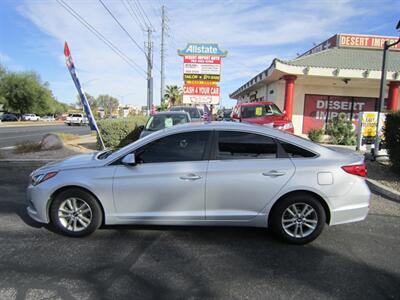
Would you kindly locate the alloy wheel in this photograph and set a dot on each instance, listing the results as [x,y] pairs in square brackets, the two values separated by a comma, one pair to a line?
[299,220]
[75,214]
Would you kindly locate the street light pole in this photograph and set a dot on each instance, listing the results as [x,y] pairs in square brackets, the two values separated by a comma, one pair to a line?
[382,92]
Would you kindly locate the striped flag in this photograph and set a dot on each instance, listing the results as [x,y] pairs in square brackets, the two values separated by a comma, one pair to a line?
[85,103]
[207,114]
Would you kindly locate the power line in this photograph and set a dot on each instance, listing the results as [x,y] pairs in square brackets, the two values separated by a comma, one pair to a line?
[144,13]
[101,37]
[133,14]
[122,27]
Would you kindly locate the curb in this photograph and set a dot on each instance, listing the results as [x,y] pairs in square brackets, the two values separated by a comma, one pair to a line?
[383,190]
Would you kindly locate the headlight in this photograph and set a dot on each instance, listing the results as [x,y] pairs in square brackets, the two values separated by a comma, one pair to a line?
[36,179]
[288,125]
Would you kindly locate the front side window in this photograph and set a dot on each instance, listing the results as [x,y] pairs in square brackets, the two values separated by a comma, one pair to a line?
[188,146]
[244,145]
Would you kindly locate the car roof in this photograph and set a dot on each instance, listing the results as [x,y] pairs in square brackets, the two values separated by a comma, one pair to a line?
[171,113]
[256,103]
[183,107]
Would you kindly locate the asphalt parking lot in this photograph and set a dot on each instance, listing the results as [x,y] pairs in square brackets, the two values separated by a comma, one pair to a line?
[353,261]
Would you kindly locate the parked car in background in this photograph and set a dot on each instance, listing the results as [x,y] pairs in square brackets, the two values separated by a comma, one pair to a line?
[8,117]
[76,119]
[164,120]
[213,174]
[48,119]
[30,117]
[193,112]
[224,115]
[262,113]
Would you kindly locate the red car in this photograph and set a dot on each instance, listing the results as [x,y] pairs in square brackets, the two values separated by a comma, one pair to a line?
[262,113]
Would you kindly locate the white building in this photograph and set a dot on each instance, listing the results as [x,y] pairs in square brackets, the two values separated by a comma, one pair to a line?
[341,74]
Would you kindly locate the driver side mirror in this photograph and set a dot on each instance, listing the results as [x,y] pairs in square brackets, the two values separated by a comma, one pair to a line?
[129,160]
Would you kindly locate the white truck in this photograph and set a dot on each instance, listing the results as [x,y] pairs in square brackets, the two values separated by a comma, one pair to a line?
[30,117]
[76,119]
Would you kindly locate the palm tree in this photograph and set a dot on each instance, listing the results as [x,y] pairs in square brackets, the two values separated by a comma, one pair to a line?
[173,94]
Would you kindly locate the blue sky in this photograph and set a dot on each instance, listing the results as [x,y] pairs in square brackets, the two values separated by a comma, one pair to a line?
[32,34]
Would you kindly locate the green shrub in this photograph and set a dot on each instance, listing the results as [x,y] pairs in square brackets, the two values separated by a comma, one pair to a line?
[316,135]
[117,133]
[391,133]
[341,131]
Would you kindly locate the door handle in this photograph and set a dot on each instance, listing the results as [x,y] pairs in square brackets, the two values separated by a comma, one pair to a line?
[190,177]
[274,173]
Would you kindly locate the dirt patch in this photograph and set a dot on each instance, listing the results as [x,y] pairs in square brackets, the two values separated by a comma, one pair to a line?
[49,154]
[381,172]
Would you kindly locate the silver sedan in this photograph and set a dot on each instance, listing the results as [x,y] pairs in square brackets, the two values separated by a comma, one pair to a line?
[229,174]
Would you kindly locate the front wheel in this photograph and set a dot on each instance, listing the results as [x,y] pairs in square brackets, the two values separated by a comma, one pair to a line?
[75,213]
[298,219]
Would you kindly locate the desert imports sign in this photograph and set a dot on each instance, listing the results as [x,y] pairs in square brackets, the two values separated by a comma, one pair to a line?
[364,41]
[318,109]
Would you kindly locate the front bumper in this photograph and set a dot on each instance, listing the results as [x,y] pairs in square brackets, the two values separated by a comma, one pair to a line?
[38,200]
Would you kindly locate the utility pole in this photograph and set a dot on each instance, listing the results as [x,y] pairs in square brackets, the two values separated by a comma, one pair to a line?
[162,87]
[149,57]
[382,88]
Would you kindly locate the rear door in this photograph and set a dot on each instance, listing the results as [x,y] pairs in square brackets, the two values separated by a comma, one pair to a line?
[244,175]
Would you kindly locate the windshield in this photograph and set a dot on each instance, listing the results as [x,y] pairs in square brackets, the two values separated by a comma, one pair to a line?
[192,111]
[158,122]
[76,115]
[256,111]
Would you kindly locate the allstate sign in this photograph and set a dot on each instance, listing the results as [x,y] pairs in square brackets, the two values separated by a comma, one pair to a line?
[202,49]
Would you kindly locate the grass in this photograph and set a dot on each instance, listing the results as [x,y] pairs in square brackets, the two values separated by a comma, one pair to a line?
[26,147]
[67,136]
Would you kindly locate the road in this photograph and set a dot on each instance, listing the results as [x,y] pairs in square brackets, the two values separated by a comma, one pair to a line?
[10,136]
[353,261]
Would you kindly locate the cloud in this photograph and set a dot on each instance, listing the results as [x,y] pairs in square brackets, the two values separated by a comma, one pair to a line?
[254,32]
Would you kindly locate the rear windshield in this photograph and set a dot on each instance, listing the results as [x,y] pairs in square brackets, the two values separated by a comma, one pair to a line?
[255,111]
[77,115]
[159,122]
[193,111]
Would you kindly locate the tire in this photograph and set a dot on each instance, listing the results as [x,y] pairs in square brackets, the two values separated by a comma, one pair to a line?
[68,220]
[300,229]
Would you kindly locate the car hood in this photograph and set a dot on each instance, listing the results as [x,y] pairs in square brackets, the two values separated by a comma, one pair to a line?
[73,162]
[266,119]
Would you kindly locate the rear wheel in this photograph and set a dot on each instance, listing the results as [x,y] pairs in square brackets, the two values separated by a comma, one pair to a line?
[298,219]
[76,213]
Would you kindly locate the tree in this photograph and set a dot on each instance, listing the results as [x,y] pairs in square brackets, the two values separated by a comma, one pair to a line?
[173,94]
[108,103]
[91,100]
[23,92]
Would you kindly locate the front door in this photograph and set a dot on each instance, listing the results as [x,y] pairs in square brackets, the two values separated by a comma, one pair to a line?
[168,182]
[245,175]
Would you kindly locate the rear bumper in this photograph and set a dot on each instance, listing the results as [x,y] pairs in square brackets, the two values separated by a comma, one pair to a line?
[355,205]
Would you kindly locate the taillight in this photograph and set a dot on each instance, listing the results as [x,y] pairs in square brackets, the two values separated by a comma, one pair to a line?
[359,170]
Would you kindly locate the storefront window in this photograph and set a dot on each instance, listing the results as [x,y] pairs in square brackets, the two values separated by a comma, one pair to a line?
[319,109]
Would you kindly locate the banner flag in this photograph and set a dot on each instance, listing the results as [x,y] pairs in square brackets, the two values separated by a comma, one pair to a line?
[85,103]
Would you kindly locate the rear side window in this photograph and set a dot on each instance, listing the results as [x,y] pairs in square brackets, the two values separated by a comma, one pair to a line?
[244,145]
[295,151]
